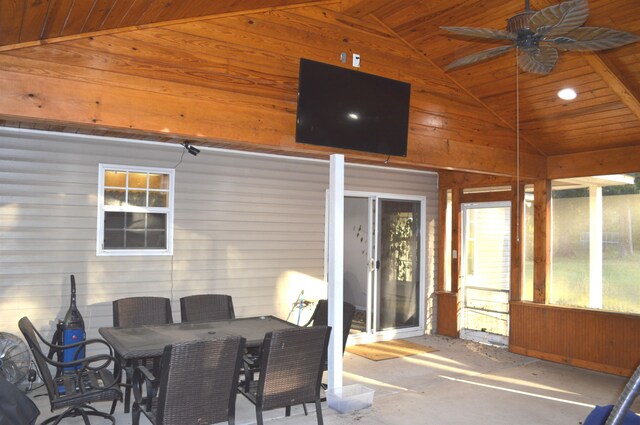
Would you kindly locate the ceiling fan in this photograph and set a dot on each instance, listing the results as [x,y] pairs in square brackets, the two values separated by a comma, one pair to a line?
[538,35]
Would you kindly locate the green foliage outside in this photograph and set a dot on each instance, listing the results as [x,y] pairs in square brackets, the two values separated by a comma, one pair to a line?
[620,283]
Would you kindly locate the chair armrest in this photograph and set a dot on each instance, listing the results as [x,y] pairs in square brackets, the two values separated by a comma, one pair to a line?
[80,344]
[105,361]
[143,376]
[86,363]
[251,364]
[250,360]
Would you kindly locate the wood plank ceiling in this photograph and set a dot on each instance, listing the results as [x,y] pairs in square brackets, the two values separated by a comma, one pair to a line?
[28,21]
[606,114]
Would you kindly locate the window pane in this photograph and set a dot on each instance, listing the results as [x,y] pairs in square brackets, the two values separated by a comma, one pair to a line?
[114,220]
[113,239]
[157,221]
[156,239]
[136,221]
[115,178]
[158,181]
[138,180]
[114,197]
[158,199]
[134,239]
[138,198]
[399,263]
[470,256]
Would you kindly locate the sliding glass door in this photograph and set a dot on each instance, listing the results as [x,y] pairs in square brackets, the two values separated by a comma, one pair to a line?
[384,262]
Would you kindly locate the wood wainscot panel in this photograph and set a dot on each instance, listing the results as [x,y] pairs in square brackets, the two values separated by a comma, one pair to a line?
[598,340]
[448,314]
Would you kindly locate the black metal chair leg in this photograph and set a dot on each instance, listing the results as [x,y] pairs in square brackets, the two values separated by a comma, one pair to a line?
[127,392]
[135,414]
[113,407]
[259,416]
[319,412]
[73,412]
[85,418]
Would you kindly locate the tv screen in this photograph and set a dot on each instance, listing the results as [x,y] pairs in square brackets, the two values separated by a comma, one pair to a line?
[349,109]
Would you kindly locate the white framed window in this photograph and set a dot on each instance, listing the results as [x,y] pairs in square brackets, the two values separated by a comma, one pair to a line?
[135,210]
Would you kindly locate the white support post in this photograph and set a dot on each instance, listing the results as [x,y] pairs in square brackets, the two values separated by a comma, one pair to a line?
[336,269]
[595,247]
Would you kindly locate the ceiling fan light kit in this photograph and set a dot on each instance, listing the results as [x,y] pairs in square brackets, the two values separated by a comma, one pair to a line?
[539,35]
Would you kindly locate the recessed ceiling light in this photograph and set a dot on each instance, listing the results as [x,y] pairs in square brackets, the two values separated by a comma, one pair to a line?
[567,94]
[353,116]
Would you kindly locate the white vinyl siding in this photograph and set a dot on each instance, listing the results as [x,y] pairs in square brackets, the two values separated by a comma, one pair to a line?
[244,225]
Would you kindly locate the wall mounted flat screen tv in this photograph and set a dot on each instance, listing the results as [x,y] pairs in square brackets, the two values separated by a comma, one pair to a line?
[348,109]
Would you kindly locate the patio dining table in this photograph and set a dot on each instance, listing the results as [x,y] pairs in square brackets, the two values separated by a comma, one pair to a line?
[149,340]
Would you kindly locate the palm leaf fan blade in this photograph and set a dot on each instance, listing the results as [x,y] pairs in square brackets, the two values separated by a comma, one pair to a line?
[538,61]
[594,38]
[478,57]
[560,19]
[481,33]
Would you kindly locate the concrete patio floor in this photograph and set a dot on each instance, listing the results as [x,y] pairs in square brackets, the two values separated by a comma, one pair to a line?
[460,383]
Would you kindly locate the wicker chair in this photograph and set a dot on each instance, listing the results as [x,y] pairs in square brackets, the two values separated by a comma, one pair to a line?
[197,384]
[320,317]
[206,307]
[137,311]
[290,370]
[91,382]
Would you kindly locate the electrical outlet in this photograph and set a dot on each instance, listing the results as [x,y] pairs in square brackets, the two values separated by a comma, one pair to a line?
[356,60]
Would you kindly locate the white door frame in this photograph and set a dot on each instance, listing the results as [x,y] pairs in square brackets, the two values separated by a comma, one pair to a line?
[369,335]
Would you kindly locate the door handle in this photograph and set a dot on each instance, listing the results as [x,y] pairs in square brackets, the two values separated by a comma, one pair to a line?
[374,265]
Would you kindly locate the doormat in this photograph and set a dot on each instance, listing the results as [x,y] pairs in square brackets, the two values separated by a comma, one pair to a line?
[389,349]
